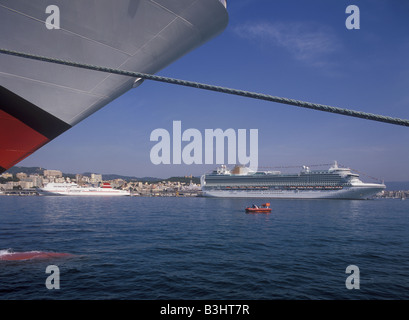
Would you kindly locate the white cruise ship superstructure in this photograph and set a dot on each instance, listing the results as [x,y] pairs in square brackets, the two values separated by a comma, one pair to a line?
[334,183]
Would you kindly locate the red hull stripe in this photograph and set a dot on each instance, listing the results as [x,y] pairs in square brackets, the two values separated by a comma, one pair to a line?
[24,128]
[33,116]
[17,140]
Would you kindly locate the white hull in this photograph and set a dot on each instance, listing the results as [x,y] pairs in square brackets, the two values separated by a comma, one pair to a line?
[358,193]
[85,193]
[334,183]
[72,189]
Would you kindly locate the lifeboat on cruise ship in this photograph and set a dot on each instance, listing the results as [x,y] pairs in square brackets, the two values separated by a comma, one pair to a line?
[264,208]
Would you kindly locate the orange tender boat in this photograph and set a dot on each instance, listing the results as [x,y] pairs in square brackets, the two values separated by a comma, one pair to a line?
[264,208]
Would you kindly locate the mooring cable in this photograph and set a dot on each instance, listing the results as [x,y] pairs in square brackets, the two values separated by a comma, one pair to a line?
[243,93]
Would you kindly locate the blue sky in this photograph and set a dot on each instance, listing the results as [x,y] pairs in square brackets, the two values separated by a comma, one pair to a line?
[294,48]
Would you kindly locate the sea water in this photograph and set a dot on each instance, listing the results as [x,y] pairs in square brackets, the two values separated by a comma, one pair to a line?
[157,248]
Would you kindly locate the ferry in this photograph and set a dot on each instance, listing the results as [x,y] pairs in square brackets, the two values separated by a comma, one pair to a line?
[73,189]
[334,183]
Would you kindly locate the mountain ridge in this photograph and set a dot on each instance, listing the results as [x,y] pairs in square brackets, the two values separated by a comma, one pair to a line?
[106,176]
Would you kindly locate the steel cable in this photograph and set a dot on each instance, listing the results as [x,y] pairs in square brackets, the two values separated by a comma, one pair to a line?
[243,93]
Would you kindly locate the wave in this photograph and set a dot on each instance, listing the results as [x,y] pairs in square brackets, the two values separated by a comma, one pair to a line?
[5,251]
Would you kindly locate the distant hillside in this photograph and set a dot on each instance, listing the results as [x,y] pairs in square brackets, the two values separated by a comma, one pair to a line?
[184,179]
[149,179]
[38,170]
[26,170]
[108,176]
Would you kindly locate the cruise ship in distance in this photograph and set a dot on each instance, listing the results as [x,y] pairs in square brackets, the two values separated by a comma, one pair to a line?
[334,183]
[73,189]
